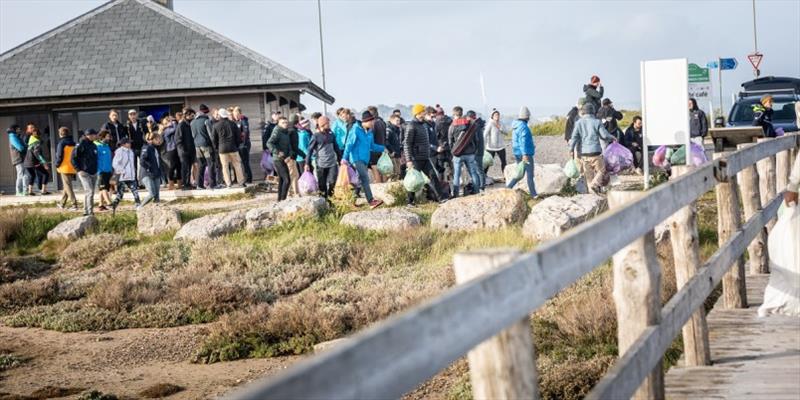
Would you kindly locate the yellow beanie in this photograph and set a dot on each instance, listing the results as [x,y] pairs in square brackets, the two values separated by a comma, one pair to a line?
[417,109]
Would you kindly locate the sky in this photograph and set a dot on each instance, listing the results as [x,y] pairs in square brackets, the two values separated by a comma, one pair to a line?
[534,53]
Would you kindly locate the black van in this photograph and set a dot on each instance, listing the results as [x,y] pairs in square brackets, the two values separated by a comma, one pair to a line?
[785,93]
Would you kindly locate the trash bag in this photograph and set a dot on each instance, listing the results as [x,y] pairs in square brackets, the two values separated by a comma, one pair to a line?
[414,180]
[571,169]
[266,163]
[353,176]
[342,190]
[385,165]
[660,157]
[782,295]
[488,160]
[519,173]
[617,158]
[698,155]
[307,183]
[779,132]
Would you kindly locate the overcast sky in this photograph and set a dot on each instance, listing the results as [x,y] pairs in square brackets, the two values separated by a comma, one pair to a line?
[537,53]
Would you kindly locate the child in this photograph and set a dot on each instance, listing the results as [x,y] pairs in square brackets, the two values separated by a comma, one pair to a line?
[35,163]
[104,168]
[65,168]
[323,148]
[151,170]
[125,167]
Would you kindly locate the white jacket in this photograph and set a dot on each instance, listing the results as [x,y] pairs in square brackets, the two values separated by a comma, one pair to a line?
[124,164]
[794,178]
[493,136]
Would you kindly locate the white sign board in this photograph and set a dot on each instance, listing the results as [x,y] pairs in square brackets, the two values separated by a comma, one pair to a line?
[700,92]
[665,96]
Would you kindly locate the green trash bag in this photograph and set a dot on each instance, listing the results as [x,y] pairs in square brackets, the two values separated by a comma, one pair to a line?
[488,160]
[385,165]
[520,172]
[414,180]
[571,169]
[678,157]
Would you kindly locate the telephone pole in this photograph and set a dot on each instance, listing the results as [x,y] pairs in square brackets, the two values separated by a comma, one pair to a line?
[322,54]
[755,38]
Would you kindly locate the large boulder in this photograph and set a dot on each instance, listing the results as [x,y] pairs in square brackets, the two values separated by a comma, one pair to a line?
[296,207]
[555,215]
[212,226]
[153,219]
[72,229]
[386,191]
[491,210]
[549,178]
[382,219]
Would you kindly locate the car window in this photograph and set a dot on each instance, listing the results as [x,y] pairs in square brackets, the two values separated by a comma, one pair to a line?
[784,110]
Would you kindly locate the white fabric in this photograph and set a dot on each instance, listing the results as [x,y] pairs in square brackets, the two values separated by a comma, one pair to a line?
[794,177]
[124,165]
[782,295]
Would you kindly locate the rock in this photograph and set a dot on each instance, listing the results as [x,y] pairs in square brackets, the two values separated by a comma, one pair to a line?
[491,210]
[386,191]
[626,182]
[296,207]
[212,226]
[153,219]
[555,215]
[382,219]
[549,178]
[72,229]
[320,347]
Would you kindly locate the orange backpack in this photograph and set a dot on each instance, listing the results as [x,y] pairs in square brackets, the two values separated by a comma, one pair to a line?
[66,166]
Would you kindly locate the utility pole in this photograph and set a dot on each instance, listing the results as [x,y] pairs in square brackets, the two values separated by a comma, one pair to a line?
[322,54]
[719,74]
[755,38]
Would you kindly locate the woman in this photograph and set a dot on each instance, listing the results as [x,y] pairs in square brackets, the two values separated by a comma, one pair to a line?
[104,168]
[171,150]
[303,139]
[762,116]
[698,124]
[151,169]
[66,170]
[495,142]
[281,147]
[35,164]
[244,145]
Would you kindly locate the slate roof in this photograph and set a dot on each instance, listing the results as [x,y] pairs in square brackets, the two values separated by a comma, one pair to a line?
[135,46]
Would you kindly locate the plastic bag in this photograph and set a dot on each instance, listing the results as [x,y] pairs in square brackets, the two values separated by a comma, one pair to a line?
[488,160]
[307,183]
[519,173]
[617,158]
[697,157]
[414,180]
[779,132]
[571,169]
[660,156]
[782,295]
[266,163]
[385,165]
[342,190]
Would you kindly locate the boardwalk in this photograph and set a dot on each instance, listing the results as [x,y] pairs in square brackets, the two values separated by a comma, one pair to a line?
[753,358]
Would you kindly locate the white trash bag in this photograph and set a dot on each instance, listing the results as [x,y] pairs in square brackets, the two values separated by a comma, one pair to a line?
[782,295]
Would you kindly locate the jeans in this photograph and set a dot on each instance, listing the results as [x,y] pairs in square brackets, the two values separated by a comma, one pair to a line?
[132,186]
[326,179]
[205,156]
[21,184]
[282,170]
[87,181]
[426,167]
[472,168]
[69,194]
[528,175]
[244,154]
[151,184]
[363,176]
[228,160]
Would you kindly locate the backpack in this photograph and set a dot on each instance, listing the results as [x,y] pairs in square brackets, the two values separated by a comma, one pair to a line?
[464,139]
[66,166]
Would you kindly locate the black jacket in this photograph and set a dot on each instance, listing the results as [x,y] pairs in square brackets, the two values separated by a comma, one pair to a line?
[593,95]
[118,131]
[184,139]
[280,144]
[762,117]
[609,116]
[225,136]
[442,127]
[201,131]
[480,145]
[416,143]
[64,142]
[84,157]
[634,138]
[572,117]
[379,131]
[698,124]
[460,145]
[148,161]
[266,133]
[136,134]
[393,144]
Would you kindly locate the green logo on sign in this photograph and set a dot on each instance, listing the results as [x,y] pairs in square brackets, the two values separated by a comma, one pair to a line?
[698,74]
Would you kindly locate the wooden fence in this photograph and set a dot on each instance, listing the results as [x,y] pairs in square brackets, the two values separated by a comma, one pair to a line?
[489,311]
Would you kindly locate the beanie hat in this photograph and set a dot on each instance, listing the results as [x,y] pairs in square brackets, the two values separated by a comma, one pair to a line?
[203,108]
[417,109]
[588,108]
[524,113]
[223,113]
[304,123]
[606,101]
[581,101]
[595,79]
[367,116]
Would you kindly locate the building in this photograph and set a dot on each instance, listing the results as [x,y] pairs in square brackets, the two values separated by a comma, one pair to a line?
[74,74]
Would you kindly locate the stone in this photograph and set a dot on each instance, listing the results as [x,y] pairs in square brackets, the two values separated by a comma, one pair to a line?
[549,178]
[320,347]
[212,226]
[490,210]
[555,215]
[386,192]
[153,219]
[72,229]
[382,219]
[626,182]
[275,213]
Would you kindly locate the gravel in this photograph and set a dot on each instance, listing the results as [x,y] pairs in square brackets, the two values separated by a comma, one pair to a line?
[549,150]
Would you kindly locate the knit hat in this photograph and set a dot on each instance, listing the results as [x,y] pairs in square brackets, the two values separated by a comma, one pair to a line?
[524,113]
[417,109]
[595,79]
[367,116]
[606,101]
[203,108]
[223,113]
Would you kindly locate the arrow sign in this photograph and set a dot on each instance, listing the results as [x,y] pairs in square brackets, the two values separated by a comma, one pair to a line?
[755,60]
[712,65]
[727,63]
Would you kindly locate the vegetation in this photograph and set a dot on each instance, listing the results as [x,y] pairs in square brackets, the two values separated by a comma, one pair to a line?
[558,124]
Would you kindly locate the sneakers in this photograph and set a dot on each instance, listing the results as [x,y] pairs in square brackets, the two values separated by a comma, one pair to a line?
[375,203]
[73,208]
[102,208]
[60,206]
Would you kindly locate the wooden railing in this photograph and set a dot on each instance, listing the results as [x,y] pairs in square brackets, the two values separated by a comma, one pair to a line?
[487,313]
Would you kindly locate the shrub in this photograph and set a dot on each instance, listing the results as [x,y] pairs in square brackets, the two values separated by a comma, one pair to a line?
[26,267]
[120,293]
[148,258]
[87,252]
[33,231]
[10,224]
[21,294]
[9,360]
[160,390]
[571,379]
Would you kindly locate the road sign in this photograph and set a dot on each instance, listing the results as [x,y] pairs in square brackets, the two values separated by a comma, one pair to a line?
[698,74]
[727,63]
[712,65]
[755,60]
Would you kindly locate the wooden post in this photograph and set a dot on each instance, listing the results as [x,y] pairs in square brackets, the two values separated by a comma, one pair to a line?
[637,280]
[766,180]
[751,201]
[686,253]
[504,366]
[782,170]
[729,221]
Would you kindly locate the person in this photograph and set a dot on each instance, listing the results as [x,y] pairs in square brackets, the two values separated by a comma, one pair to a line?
[268,128]
[393,143]
[480,146]
[357,147]
[399,113]
[17,150]
[594,92]
[634,141]
[85,158]
[125,167]
[295,152]
[187,151]
[136,131]
[105,168]
[443,160]
[762,116]
[151,168]
[115,128]
[572,117]
[379,136]
[523,148]
[303,140]
[35,164]
[340,127]
[243,123]
[463,144]
[416,150]
[323,148]
[586,137]
[698,124]
[315,120]
[65,169]
[201,133]
[170,155]
[495,141]
[225,138]
[610,117]
[281,147]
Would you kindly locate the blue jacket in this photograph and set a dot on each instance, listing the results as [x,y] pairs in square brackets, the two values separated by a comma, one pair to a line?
[339,129]
[522,139]
[17,148]
[358,144]
[587,134]
[303,139]
[103,157]
[149,161]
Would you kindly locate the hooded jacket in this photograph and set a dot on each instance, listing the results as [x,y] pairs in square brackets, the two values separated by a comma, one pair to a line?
[609,117]
[149,163]
[201,130]
[762,116]
[303,139]
[16,147]
[358,144]
[184,139]
[323,147]
[124,164]
[393,145]
[415,141]
[339,132]
[698,125]
[572,117]
[280,144]
[85,156]
[169,138]
[480,143]
[34,157]
[634,138]
[63,144]
[457,139]
[493,136]
[593,95]
[379,131]
[522,139]
[103,157]
[588,133]
[225,136]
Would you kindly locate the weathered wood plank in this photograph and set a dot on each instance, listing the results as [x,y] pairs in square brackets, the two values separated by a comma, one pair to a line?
[751,202]
[728,222]
[735,162]
[766,178]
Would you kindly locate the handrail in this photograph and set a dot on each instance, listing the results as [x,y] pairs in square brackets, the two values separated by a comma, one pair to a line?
[393,357]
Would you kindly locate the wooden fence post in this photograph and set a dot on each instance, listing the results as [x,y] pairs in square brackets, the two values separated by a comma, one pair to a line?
[782,170]
[751,202]
[637,280]
[686,253]
[734,291]
[766,180]
[503,366]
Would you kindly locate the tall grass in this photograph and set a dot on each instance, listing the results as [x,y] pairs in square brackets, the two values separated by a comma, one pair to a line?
[557,126]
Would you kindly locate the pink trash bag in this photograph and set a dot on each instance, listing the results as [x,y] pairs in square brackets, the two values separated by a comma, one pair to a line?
[266,163]
[660,157]
[617,158]
[353,174]
[307,183]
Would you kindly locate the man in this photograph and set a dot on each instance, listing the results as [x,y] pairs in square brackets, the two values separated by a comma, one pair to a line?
[186,148]
[268,128]
[480,145]
[357,148]
[66,171]
[444,158]
[634,141]
[201,133]
[280,144]
[416,150]
[589,131]
[243,123]
[115,128]
[462,141]
[594,92]
[698,124]
[17,148]
[394,133]
[225,138]
[379,137]
[610,117]
[136,130]
[84,158]
[323,148]
[398,113]
[572,117]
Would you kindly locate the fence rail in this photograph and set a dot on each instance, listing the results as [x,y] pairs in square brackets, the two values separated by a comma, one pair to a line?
[395,356]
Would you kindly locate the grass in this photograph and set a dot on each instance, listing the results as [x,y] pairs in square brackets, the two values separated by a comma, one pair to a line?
[206,200]
[557,126]
[9,360]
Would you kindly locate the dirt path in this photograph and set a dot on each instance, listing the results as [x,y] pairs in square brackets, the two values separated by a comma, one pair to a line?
[123,362]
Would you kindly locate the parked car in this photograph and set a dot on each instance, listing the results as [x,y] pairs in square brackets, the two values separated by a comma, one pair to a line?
[785,92]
